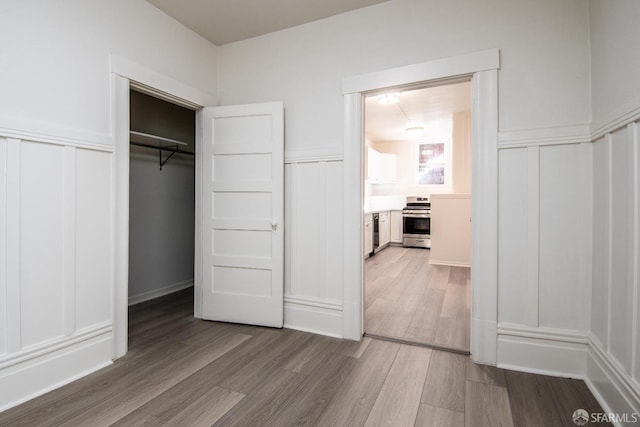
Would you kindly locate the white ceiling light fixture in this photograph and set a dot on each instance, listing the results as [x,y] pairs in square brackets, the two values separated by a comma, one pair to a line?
[414,131]
[389,98]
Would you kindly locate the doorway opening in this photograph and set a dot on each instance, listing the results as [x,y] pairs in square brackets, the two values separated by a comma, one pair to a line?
[162,137]
[482,67]
[417,211]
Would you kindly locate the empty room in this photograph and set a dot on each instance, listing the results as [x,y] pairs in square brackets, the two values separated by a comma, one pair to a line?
[284,260]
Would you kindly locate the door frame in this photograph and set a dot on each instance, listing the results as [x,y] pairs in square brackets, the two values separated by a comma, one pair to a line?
[482,67]
[126,74]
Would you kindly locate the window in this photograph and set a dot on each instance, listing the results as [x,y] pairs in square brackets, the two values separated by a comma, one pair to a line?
[432,163]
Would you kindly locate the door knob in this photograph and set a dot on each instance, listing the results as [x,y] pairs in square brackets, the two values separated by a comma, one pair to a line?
[274,225]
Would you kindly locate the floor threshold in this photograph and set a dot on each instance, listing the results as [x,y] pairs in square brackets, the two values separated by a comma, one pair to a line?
[418,344]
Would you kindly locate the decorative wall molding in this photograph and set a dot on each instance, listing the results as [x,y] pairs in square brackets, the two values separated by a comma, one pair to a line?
[53,134]
[69,238]
[541,333]
[156,293]
[311,155]
[547,355]
[32,361]
[308,315]
[607,380]
[13,253]
[151,81]
[4,248]
[614,384]
[616,119]
[634,134]
[532,289]
[312,210]
[42,349]
[446,68]
[52,367]
[544,136]
[314,302]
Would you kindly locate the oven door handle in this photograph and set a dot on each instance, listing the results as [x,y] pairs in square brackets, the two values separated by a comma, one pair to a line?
[416,215]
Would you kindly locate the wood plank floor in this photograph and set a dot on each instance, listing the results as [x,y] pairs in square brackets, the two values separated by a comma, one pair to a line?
[186,372]
[406,298]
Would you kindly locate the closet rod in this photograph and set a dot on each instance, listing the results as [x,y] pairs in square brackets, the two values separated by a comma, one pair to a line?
[161,149]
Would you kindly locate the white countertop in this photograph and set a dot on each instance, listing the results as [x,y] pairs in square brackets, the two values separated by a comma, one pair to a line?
[384,203]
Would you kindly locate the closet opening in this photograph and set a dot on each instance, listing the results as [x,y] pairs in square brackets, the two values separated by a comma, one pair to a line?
[162,138]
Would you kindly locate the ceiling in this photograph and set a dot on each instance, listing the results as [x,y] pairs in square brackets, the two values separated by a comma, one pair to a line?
[226,21]
[430,108]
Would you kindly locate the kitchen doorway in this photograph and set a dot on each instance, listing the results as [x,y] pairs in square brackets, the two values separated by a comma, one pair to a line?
[417,153]
[482,67]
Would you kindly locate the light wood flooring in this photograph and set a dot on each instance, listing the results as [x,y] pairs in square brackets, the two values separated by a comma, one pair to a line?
[186,372]
[407,298]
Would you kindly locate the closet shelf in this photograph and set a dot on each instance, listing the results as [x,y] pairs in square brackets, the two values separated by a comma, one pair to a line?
[159,143]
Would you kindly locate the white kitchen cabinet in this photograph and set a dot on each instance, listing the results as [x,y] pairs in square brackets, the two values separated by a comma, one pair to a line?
[396,226]
[368,234]
[384,228]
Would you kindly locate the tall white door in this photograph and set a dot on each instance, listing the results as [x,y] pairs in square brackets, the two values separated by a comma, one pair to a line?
[242,214]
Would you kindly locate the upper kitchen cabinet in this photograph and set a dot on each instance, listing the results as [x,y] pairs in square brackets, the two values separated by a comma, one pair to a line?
[381,167]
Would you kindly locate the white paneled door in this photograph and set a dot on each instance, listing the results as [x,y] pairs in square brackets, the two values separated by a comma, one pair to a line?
[243,208]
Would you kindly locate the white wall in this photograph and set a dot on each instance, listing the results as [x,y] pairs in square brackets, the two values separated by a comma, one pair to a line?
[543,49]
[161,224]
[543,94]
[56,179]
[461,153]
[613,365]
[615,63]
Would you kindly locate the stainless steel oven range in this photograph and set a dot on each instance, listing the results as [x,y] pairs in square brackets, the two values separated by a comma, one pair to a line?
[416,223]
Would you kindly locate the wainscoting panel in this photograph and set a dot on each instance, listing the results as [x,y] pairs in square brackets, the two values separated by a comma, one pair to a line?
[600,266]
[3,247]
[614,353]
[55,262]
[543,297]
[93,231]
[543,351]
[563,298]
[621,303]
[42,238]
[513,211]
[313,248]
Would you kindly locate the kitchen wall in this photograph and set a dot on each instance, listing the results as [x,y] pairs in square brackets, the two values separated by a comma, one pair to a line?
[613,364]
[543,100]
[56,176]
[407,163]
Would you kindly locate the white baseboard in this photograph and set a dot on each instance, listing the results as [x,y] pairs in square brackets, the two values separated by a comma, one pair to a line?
[613,389]
[38,375]
[449,263]
[156,293]
[483,338]
[313,316]
[539,353]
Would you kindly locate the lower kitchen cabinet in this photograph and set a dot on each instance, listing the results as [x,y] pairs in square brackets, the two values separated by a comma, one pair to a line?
[396,227]
[368,234]
[384,227]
